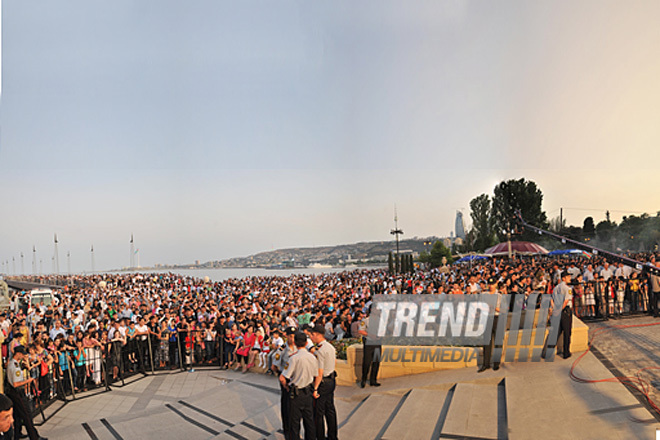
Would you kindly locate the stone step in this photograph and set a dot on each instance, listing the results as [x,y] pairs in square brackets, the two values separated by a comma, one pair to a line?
[418,416]
[77,432]
[370,418]
[473,411]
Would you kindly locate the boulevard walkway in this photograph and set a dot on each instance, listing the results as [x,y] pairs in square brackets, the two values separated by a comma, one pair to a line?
[520,401]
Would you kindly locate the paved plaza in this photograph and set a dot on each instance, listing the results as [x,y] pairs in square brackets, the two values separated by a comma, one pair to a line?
[520,401]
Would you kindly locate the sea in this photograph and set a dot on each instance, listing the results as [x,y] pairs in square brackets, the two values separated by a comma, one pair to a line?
[222,274]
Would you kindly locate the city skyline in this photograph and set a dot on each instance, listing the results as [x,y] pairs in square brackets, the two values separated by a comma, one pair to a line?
[218,129]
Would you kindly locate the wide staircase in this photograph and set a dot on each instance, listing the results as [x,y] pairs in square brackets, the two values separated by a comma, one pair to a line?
[239,410]
[520,401]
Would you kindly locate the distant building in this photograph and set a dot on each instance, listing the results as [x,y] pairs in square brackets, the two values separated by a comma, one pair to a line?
[460,226]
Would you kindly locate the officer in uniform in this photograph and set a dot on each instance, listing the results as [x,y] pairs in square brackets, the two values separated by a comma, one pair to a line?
[16,383]
[488,349]
[6,418]
[566,323]
[369,361]
[280,363]
[298,379]
[324,385]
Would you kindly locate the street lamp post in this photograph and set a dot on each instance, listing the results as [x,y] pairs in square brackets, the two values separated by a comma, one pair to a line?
[396,232]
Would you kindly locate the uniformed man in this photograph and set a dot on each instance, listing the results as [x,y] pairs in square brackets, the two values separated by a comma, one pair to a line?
[298,378]
[324,385]
[16,383]
[6,418]
[488,349]
[369,361]
[566,323]
[280,363]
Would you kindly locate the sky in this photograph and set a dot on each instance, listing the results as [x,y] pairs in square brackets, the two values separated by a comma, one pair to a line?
[213,129]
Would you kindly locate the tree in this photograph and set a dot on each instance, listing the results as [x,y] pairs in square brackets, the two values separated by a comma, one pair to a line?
[556,224]
[605,233]
[482,223]
[513,195]
[588,228]
[434,259]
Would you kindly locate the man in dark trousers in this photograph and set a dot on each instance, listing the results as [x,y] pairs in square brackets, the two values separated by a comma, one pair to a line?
[488,349]
[324,385]
[369,361]
[654,291]
[280,362]
[16,383]
[298,378]
[220,329]
[566,323]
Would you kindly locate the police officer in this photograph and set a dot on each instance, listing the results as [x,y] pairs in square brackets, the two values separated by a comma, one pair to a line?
[488,349]
[298,378]
[324,385]
[6,418]
[566,323]
[17,381]
[369,361]
[280,362]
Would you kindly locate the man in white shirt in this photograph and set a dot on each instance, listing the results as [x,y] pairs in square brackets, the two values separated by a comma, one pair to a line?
[606,273]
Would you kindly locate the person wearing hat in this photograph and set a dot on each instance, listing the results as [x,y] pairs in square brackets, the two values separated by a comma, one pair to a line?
[16,383]
[298,379]
[280,363]
[562,296]
[324,385]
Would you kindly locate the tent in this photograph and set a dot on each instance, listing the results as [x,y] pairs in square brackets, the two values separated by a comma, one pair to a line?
[471,258]
[574,252]
[517,247]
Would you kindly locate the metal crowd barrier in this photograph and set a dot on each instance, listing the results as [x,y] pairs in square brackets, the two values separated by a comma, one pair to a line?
[614,298]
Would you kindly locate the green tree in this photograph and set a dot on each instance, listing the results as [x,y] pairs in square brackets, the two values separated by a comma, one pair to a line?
[588,228]
[482,223]
[434,259]
[513,195]
[605,231]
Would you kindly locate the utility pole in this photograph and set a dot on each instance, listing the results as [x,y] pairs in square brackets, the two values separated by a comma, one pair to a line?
[57,258]
[22,266]
[561,220]
[68,262]
[92,251]
[41,266]
[34,260]
[396,232]
[13,263]
[132,256]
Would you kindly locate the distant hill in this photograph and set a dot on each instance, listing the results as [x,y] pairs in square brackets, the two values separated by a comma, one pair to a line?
[359,253]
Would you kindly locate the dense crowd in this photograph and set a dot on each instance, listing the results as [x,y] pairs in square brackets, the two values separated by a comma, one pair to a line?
[103,327]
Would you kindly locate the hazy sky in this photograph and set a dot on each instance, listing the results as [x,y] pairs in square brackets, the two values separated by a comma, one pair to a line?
[213,129]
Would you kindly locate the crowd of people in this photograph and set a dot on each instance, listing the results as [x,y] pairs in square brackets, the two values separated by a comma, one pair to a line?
[101,327]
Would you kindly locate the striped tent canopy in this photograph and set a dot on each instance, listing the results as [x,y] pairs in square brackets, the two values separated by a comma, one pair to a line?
[517,247]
